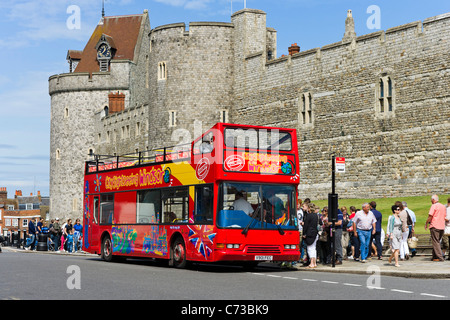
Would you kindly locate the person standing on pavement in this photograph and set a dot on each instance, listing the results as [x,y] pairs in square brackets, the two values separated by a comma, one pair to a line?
[33,233]
[377,235]
[345,240]
[310,234]
[39,225]
[364,225]
[411,224]
[338,238]
[404,248]
[446,236]
[436,223]
[57,233]
[354,241]
[78,231]
[395,233]
[300,215]
[67,229]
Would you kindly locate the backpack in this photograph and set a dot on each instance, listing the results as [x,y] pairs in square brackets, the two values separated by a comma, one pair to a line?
[409,221]
[56,228]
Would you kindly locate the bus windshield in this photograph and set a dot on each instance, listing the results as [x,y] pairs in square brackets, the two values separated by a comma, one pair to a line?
[257,206]
[259,139]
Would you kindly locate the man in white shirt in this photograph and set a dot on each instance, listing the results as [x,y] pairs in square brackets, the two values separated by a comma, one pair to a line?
[363,226]
[241,204]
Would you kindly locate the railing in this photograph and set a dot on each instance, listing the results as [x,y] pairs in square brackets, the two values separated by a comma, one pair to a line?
[154,156]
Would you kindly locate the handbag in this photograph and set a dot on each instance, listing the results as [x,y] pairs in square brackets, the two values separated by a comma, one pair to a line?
[412,242]
[323,236]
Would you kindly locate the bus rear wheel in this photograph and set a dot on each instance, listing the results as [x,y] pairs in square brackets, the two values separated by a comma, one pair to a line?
[107,249]
[179,254]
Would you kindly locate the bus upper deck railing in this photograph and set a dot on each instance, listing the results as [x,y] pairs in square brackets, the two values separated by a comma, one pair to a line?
[154,156]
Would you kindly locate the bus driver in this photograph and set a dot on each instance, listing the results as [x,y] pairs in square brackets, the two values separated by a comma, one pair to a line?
[241,204]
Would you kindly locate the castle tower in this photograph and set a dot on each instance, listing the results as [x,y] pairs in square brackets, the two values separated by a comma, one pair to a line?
[111,59]
[190,79]
[254,45]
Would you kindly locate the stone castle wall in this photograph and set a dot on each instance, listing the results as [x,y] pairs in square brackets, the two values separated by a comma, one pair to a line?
[403,152]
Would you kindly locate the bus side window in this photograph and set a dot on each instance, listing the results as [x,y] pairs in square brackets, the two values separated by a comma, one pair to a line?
[204,201]
[148,207]
[175,205]
[107,209]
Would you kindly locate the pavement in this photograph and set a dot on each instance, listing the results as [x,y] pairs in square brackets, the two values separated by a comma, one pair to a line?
[419,266]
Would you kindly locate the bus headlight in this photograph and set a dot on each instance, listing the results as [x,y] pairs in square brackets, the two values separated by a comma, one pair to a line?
[290,246]
[233,246]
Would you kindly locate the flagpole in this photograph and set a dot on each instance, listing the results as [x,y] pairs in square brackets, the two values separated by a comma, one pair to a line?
[245,4]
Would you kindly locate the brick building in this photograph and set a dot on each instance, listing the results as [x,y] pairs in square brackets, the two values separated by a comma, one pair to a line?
[15,213]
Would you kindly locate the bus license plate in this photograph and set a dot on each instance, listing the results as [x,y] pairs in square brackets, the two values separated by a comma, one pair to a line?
[263,258]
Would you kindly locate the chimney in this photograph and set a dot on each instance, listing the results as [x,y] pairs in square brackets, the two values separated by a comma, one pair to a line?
[18,193]
[3,194]
[294,49]
[116,102]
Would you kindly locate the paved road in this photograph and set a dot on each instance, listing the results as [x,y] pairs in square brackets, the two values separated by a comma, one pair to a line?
[28,275]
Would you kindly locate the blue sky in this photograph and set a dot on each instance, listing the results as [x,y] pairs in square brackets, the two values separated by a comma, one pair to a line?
[35,36]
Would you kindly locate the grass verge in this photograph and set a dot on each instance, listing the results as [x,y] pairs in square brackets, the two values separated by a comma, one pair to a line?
[420,205]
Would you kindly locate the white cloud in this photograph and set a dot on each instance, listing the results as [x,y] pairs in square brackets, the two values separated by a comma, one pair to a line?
[43,20]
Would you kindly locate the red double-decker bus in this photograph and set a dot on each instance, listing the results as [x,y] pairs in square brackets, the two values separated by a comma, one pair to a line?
[229,196]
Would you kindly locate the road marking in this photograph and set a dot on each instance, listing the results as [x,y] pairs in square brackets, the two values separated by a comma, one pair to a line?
[312,280]
[376,288]
[432,295]
[401,291]
[349,284]
[352,285]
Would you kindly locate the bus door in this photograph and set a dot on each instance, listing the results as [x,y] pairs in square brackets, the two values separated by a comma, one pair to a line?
[94,234]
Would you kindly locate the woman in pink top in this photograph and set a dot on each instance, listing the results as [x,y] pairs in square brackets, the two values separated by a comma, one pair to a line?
[436,222]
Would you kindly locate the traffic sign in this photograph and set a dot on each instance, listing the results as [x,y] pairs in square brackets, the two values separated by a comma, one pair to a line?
[340,164]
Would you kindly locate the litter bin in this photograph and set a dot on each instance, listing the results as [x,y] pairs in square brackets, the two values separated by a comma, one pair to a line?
[42,242]
[15,238]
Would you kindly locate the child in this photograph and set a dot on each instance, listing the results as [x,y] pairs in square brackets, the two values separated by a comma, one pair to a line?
[69,241]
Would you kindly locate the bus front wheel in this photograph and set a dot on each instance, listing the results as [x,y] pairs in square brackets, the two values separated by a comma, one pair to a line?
[179,254]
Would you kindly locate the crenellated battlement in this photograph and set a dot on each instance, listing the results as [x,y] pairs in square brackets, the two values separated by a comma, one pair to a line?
[116,79]
[408,33]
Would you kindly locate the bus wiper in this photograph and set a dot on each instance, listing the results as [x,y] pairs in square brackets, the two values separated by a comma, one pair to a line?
[279,229]
[253,216]
[245,231]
